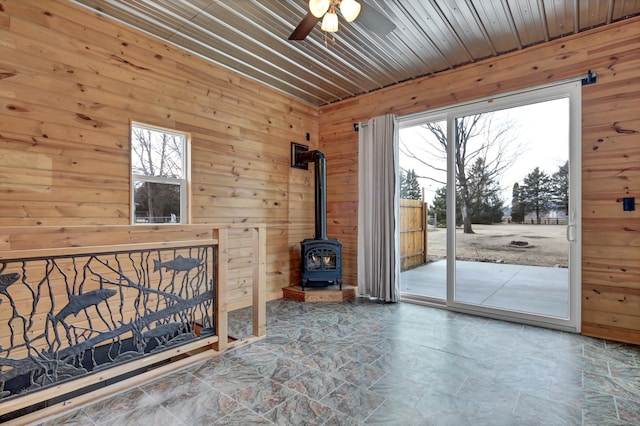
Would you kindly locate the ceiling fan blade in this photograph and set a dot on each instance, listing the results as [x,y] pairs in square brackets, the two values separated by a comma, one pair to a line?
[374,21]
[304,27]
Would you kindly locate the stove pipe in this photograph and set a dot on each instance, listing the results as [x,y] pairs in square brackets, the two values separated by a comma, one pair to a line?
[320,169]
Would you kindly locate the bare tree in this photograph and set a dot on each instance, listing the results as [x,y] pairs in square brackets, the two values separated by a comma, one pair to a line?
[429,153]
[476,137]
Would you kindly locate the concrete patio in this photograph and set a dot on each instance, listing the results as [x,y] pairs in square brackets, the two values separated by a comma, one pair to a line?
[532,289]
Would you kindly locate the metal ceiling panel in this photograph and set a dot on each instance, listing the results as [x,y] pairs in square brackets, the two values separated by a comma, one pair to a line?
[592,13]
[412,44]
[528,21]
[497,20]
[429,18]
[465,23]
[559,17]
[625,8]
[251,37]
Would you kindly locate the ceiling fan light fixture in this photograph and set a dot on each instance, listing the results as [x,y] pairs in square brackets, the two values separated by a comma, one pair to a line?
[330,21]
[349,9]
[319,7]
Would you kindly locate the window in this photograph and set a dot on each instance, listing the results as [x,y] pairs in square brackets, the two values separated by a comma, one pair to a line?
[159,171]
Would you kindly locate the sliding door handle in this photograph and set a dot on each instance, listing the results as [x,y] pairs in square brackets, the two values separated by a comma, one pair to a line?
[571,233]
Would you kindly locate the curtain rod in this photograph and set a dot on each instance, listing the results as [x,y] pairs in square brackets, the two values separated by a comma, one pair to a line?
[357,126]
[589,78]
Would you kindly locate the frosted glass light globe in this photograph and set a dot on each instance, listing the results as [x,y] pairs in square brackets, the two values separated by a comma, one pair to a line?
[350,9]
[330,22]
[319,7]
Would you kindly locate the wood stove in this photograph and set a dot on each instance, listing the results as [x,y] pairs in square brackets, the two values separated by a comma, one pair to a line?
[321,262]
[321,257]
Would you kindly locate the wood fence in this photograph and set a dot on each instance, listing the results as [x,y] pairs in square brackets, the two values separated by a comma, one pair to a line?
[413,233]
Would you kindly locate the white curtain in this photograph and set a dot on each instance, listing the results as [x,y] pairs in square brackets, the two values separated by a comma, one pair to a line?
[378,208]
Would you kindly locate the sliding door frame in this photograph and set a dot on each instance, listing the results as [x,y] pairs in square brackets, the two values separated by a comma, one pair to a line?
[569,89]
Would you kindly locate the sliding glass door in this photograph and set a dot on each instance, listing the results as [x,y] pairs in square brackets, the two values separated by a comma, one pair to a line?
[423,165]
[502,177]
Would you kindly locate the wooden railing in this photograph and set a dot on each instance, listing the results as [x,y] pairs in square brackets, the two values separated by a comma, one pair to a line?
[139,296]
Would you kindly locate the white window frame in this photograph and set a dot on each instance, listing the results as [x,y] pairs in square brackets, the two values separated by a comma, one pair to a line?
[183,183]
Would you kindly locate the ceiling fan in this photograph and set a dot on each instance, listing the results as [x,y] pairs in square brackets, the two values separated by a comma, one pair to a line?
[325,10]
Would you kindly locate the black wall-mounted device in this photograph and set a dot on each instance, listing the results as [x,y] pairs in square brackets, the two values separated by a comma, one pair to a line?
[629,204]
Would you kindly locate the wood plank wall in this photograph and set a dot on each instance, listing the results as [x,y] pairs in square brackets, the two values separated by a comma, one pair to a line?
[610,144]
[71,81]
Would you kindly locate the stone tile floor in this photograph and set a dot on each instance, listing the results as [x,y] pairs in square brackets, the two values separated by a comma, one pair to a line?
[361,362]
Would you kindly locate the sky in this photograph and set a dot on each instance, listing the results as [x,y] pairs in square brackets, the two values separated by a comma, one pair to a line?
[539,132]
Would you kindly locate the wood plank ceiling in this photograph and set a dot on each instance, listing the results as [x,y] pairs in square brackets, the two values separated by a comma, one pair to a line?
[251,37]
